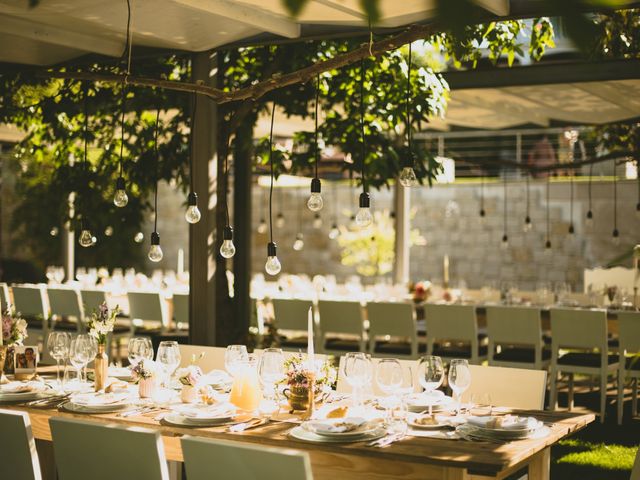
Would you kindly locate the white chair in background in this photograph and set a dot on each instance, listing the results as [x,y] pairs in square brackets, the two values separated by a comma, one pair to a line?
[291,317]
[181,309]
[92,299]
[31,302]
[66,308]
[18,455]
[147,307]
[341,318]
[452,332]
[628,367]
[213,358]
[103,452]
[5,296]
[393,330]
[508,387]
[517,333]
[584,330]
[235,460]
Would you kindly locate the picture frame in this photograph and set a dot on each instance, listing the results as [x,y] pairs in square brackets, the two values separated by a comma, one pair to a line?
[25,361]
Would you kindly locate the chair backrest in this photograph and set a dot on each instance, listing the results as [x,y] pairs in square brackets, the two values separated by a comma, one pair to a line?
[147,306]
[586,329]
[499,383]
[213,356]
[518,325]
[341,317]
[234,460]
[629,331]
[92,299]
[5,296]
[30,301]
[342,386]
[65,302]
[396,319]
[451,322]
[18,455]
[103,452]
[291,314]
[181,308]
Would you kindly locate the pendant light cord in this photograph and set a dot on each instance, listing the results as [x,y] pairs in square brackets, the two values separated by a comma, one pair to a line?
[590,177]
[615,198]
[317,152]
[155,199]
[571,200]
[408,113]
[124,96]
[194,106]
[362,137]
[273,111]
[528,177]
[226,185]
[86,140]
[548,196]
[482,193]
[505,203]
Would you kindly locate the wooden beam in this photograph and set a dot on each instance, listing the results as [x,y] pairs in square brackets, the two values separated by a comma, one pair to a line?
[255,17]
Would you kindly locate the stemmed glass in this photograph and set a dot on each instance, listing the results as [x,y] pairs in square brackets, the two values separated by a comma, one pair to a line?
[459,378]
[139,348]
[58,345]
[169,357]
[389,377]
[271,371]
[80,353]
[357,371]
[430,374]
[234,356]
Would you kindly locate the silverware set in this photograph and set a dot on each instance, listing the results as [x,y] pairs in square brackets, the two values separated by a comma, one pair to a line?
[140,411]
[387,440]
[48,402]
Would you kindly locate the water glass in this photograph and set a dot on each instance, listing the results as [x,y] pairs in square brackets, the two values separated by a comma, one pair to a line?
[58,346]
[481,404]
[430,374]
[459,378]
[389,375]
[356,369]
[80,349]
[168,357]
[139,348]
[234,356]
[271,369]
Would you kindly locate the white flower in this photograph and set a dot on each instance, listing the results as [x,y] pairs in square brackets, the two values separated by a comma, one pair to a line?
[21,325]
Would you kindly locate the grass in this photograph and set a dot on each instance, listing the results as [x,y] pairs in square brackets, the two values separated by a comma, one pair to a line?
[597,455]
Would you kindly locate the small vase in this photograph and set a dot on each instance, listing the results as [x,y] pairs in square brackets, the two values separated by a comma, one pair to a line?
[146,387]
[3,358]
[8,360]
[189,394]
[298,397]
[100,366]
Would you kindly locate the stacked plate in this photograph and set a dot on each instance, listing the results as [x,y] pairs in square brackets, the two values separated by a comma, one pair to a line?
[98,402]
[338,430]
[438,401]
[218,379]
[201,415]
[503,428]
[23,391]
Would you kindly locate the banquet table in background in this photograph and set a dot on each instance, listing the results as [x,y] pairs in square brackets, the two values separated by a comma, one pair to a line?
[412,458]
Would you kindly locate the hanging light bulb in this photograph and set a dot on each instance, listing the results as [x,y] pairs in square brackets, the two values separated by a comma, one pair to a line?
[527,224]
[262,227]
[505,242]
[155,252]
[482,216]
[571,229]
[334,232]
[638,210]
[139,237]
[589,220]
[408,177]
[315,202]
[364,217]
[547,247]
[299,243]
[272,266]
[192,214]
[54,231]
[280,220]
[108,231]
[227,249]
[317,221]
[615,237]
[86,238]
[120,199]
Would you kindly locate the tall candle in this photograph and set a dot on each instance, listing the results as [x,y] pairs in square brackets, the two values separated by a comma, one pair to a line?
[310,349]
[446,270]
[180,261]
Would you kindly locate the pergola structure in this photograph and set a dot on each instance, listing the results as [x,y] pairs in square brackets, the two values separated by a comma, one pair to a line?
[58,32]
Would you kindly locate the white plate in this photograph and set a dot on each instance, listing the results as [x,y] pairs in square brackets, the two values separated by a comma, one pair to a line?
[206,413]
[442,423]
[317,427]
[179,420]
[301,434]
[23,397]
[100,400]
[485,434]
[75,408]
[419,402]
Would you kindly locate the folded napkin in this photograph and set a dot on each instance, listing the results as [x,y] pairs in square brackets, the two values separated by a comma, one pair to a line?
[505,422]
[336,426]
[98,399]
[21,387]
[206,411]
[216,377]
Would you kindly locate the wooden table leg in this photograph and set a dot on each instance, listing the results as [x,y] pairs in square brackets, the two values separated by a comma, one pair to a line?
[540,465]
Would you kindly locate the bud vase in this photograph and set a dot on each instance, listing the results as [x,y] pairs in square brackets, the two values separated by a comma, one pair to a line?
[146,387]
[100,366]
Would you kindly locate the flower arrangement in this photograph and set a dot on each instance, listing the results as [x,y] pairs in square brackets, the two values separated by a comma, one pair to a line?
[190,376]
[102,322]
[296,369]
[144,370]
[14,328]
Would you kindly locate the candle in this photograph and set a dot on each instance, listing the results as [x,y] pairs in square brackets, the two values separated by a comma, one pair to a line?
[446,270]
[310,350]
[180,261]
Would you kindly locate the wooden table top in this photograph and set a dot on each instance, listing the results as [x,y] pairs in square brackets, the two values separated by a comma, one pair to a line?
[481,458]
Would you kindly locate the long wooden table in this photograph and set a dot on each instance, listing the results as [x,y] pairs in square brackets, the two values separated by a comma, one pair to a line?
[412,458]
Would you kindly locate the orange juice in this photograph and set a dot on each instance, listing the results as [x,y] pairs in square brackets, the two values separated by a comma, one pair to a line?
[246,393]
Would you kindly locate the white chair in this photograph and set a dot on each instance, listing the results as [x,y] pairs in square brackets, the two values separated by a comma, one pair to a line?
[5,296]
[236,460]
[148,307]
[181,309]
[31,302]
[103,452]
[515,338]
[508,387]
[392,330]
[584,330]
[213,358]
[92,299]
[291,316]
[66,308]
[18,455]
[345,321]
[452,332]
[629,331]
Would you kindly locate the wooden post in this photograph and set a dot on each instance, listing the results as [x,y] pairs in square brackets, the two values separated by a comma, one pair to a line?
[402,203]
[202,251]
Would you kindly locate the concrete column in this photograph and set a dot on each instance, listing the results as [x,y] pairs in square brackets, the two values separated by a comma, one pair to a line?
[402,202]
[202,318]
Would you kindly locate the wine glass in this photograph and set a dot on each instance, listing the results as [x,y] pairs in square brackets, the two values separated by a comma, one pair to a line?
[50,273]
[58,345]
[93,351]
[169,357]
[389,375]
[58,274]
[271,369]
[430,375]
[357,372]
[459,377]
[80,353]
[233,358]
[139,348]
